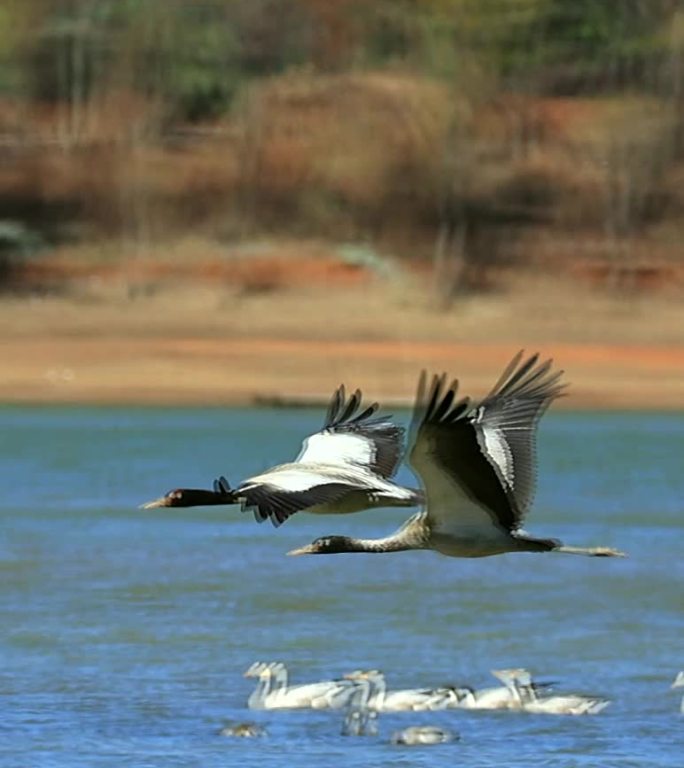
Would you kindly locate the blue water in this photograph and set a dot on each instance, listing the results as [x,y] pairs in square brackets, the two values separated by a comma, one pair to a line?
[124,633]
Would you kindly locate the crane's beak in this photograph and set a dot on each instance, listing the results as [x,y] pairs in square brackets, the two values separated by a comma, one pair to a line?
[307,550]
[163,501]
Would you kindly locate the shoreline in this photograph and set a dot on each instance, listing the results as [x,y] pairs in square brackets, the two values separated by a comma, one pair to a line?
[201,371]
[212,343]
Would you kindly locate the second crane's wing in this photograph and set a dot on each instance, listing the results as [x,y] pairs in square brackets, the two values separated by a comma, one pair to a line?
[464,495]
[506,421]
[478,463]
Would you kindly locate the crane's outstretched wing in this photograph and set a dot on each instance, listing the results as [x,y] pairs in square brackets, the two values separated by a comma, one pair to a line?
[351,435]
[477,464]
[506,423]
[287,493]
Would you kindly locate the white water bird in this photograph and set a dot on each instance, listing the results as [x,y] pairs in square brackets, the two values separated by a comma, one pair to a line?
[402,700]
[526,697]
[346,467]
[274,692]
[477,465]
[567,704]
[504,696]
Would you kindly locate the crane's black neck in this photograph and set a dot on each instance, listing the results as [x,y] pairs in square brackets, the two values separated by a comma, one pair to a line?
[197,497]
[342,544]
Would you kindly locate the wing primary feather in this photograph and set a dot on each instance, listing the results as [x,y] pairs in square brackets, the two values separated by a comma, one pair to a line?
[435,393]
[513,374]
[341,411]
[431,407]
[530,377]
[532,384]
[352,405]
[339,396]
[508,370]
[419,405]
[459,408]
[515,382]
[365,414]
[443,407]
[506,422]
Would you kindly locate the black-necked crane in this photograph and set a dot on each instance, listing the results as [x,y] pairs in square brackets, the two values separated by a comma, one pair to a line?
[345,467]
[477,466]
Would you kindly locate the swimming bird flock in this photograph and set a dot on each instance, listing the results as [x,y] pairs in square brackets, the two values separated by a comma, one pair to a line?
[363,695]
[368,689]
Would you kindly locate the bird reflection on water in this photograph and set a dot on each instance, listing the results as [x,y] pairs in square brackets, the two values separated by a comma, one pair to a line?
[243,731]
[360,719]
[422,735]
[679,683]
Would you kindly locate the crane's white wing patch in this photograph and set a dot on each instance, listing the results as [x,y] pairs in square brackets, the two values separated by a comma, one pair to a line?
[499,452]
[288,479]
[337,448]
[285,492]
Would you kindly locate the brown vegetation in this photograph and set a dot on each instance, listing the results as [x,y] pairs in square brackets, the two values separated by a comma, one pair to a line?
[396,160]
[337,173]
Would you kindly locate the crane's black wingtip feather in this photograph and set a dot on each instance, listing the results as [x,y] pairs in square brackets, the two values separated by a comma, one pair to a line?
[349,412]
[527,377]
[437,402]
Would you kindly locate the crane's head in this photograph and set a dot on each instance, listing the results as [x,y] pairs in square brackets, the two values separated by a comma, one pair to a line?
[189,497]
[326,545]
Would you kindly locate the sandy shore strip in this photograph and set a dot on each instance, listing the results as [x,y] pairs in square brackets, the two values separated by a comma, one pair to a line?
[215,371]
[213,344]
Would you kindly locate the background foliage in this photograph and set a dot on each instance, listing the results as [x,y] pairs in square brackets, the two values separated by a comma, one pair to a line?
[471,132]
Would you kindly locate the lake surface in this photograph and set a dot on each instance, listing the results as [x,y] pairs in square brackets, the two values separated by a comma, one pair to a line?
[124,633]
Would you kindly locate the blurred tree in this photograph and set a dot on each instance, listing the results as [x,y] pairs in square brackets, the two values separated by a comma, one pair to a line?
[594,45]
[129,69]
[182,56]
[14,20]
